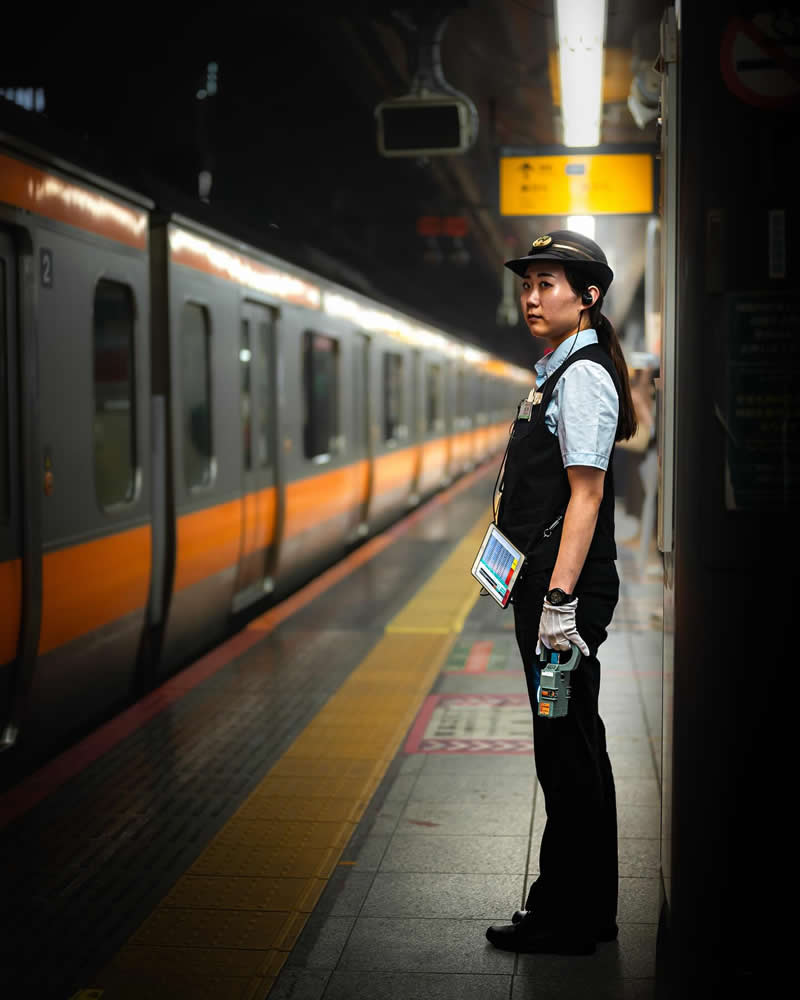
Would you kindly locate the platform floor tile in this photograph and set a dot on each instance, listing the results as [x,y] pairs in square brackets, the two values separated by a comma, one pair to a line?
[453,843]
[415,986]
[252,887]
[245,893]
[407,944]
[408,852]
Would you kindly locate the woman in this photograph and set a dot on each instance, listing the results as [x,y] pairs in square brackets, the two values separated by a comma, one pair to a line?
[557,506]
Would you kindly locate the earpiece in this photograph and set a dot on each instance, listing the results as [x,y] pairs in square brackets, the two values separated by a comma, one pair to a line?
[586,298]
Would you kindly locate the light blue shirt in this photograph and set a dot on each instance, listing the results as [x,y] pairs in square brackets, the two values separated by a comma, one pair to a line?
[584,407]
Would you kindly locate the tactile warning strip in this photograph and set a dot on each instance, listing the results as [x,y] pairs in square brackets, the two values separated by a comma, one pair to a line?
[228,924]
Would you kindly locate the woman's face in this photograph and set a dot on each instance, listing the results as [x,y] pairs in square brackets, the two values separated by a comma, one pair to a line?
[551,308]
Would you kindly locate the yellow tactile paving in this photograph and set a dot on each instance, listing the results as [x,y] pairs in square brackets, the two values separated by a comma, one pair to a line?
[265,860]
[315,787]
[227,925]
[305,810]
[239,963]
[191,928]
[235,892]
[290,766]
[179,983]
[286,833]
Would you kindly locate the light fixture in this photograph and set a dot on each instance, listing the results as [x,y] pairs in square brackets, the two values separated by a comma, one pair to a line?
[582,224]
[581,31]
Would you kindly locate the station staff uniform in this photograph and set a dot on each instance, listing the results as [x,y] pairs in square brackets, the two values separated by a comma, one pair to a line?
[574,422]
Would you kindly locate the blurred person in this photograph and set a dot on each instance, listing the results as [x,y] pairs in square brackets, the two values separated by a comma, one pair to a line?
[557,506]
[636,448]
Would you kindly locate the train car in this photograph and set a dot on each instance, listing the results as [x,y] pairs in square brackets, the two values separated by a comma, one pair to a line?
[192,428]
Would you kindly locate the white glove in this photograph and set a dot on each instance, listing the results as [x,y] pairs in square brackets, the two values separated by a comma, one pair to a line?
[557,628]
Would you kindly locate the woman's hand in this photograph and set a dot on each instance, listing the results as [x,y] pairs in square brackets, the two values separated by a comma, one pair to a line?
[557,627]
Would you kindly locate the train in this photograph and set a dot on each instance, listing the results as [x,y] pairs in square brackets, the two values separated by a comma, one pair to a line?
[192,428]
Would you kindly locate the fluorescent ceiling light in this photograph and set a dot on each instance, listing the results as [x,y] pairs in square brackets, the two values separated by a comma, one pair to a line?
[582,224]
[581,29]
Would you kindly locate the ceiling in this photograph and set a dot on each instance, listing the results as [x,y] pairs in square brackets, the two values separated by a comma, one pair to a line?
[290,136]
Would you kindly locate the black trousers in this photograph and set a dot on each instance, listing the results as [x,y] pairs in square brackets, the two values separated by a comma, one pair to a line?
[576,891]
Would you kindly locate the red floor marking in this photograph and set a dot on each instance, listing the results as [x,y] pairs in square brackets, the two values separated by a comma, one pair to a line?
[478,657]
[417,734]
[31,790]
[419,742]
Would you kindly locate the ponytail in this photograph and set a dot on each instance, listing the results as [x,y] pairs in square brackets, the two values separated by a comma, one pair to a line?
[609,341]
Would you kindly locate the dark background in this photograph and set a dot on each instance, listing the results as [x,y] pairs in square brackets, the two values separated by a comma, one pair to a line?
[290,136]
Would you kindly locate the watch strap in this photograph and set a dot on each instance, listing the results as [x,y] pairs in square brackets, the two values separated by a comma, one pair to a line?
[557,597]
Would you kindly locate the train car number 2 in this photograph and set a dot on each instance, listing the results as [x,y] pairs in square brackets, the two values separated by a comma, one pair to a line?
[46,267]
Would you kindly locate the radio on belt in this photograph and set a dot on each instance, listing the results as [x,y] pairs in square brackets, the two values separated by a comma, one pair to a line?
[554,681]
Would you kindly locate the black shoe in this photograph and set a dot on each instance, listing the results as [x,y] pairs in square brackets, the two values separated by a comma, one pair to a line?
[526,940]
[603,934]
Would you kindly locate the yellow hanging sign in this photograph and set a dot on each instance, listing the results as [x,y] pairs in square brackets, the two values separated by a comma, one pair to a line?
[577,184]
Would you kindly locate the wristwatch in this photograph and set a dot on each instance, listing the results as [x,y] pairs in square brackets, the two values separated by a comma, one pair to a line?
[558,597]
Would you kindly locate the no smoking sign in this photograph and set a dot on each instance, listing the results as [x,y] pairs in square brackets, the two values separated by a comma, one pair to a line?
[760,59]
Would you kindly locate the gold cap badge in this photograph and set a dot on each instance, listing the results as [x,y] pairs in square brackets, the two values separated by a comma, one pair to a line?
[542,241]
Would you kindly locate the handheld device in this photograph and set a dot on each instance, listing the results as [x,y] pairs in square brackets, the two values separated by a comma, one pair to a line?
[497,565]
[554,681]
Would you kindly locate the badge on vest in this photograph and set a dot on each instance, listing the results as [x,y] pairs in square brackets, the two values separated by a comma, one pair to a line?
[525,409]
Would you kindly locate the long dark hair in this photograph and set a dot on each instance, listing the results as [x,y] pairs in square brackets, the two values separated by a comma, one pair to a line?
[609,341]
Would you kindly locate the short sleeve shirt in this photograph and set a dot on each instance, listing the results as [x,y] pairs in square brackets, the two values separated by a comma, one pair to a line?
[584,407]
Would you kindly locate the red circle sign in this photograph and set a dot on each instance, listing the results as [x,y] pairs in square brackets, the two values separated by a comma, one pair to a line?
[760,59]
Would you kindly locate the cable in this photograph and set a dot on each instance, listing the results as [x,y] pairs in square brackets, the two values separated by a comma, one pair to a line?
[512,428]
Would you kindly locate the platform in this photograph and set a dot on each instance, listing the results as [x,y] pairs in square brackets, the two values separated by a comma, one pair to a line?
[334,804]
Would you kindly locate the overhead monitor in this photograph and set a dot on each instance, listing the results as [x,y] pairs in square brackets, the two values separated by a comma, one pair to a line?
[424,126]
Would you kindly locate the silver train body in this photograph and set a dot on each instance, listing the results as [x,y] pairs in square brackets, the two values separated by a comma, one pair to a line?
[191,428]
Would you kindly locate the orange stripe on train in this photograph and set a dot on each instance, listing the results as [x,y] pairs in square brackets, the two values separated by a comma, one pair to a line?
[87,586]
[11,604]
[320,498]
[90,585]
[45,194]
[395,470]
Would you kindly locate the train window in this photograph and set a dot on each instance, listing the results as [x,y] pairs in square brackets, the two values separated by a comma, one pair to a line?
[393,403]
[321,384]
[198,465]
[114,394]
[433,398]
[245,359]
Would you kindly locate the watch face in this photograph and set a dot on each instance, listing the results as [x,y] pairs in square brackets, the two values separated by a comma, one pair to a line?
[556,596]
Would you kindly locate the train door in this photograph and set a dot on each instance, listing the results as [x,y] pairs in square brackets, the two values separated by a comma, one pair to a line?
[10,526]
[257,403]
[256,359]
[449,419]
[362,439]
[417,421]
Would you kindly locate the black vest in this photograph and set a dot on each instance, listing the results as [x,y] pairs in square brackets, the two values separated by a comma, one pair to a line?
[535,488]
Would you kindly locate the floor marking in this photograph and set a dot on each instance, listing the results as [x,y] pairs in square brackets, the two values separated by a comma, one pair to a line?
[478,659]
[482,657]
[24,796]
[473,723]
[327,776]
